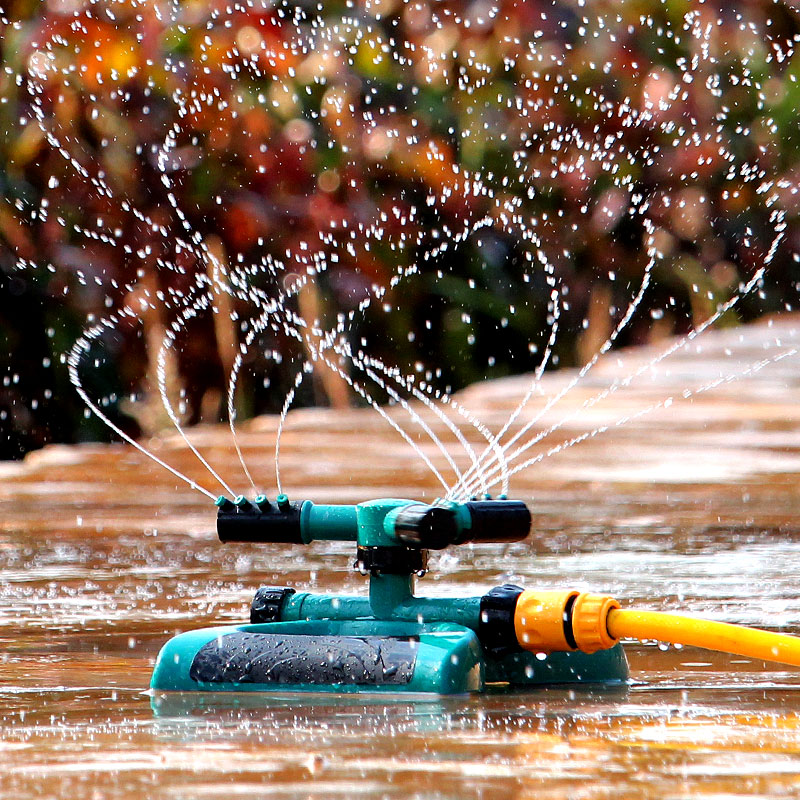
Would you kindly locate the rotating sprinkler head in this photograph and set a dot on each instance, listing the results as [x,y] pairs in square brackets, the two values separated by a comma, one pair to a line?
[394,641]
[404,523]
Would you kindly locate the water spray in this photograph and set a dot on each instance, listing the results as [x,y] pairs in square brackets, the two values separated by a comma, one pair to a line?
[394,641]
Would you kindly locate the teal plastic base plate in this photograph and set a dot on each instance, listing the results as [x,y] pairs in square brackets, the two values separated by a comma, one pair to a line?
[357,656]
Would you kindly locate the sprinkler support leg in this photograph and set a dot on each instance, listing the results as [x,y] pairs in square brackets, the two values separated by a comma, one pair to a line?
[387,592]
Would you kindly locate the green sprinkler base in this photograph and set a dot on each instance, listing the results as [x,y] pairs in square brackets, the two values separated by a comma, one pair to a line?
[350,656]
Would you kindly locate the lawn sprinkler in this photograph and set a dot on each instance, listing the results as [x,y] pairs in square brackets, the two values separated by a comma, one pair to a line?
[395,642]
[392,640]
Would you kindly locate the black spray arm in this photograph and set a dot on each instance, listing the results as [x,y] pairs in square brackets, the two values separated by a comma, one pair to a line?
[405,523]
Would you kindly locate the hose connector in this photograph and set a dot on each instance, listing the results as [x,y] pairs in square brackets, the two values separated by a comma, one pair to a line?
[542,621]
[590,622]
[547,622]
[557,621]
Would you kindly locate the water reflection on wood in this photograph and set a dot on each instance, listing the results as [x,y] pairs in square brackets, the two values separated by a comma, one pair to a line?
[693,507]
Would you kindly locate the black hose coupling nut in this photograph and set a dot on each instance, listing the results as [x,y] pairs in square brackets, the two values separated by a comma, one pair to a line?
[496,631]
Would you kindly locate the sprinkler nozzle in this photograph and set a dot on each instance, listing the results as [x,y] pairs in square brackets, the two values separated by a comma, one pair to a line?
[436,527]
[243,521]
[223,504]
[262,502]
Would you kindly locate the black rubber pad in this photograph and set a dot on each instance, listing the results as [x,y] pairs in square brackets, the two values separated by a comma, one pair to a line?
[297,659]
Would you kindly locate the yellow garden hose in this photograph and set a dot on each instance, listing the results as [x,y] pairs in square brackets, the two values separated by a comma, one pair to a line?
[677,629]
[552,621]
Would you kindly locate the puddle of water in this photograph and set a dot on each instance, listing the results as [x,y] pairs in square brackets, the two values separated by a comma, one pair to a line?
[94,582]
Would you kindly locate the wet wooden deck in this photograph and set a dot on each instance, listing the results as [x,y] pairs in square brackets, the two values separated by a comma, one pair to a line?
[693,506]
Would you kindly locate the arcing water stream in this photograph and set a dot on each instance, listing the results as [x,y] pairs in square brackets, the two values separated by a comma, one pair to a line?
[351,87]
[306,175]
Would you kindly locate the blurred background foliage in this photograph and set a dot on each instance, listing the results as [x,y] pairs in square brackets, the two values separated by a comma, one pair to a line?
[275,146]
